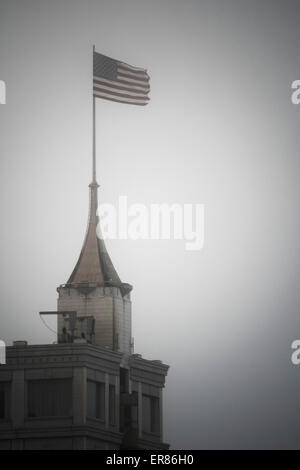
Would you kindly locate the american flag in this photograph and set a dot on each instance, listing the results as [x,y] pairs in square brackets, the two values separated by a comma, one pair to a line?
[120,82]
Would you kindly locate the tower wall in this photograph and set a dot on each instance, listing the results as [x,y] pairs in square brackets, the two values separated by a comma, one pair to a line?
[122,312]
[111,311]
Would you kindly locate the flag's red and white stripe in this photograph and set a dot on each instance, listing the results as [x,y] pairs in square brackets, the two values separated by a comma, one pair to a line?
[130,86]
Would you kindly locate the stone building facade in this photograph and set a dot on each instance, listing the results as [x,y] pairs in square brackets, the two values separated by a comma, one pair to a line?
[78,396]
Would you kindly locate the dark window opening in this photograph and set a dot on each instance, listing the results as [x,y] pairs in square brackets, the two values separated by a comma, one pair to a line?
[2,404]
[4,400]
[112,405]
[134,411]
[150,414]
[96,400]
[124,380]
[50,397]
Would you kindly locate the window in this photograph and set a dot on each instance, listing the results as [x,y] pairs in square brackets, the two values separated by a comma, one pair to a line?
[124,380]
[112,405]
[96,400]
[2,403]
[50,397]
[150,414]
[4,400]
[134,410]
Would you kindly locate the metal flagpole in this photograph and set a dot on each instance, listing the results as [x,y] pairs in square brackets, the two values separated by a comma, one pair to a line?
[94,129]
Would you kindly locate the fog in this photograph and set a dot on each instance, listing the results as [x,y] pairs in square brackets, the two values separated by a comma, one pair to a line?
[220,130]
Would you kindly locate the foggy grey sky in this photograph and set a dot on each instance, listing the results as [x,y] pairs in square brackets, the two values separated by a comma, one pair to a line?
[220,130]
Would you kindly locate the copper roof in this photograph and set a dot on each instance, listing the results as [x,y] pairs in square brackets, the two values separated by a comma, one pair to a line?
[94,264]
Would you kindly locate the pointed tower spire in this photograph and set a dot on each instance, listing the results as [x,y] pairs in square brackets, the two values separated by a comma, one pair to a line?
[94,264]
[95,290]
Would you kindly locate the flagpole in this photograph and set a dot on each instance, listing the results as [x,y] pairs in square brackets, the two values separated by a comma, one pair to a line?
[94,130]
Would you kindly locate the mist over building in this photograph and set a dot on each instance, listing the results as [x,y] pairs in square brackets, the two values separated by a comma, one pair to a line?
[221,130]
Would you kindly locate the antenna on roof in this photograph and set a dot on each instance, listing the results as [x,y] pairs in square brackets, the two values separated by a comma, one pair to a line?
[86,326]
